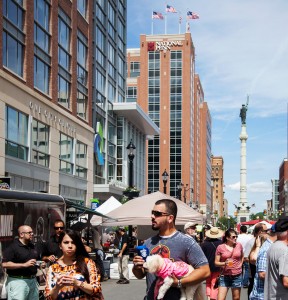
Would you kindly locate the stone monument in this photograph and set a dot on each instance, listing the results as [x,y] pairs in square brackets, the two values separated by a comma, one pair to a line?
[243,210]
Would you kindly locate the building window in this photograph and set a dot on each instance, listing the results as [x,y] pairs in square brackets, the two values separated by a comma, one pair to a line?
[134,68]
[41,75]
[13,11]
[13,36]
[81,105]
[40,143]
[131,94]
[66,154]
[82,7]
[81,160]
[81,59]
[63,92]
[41,24]
[64,33]
[16,143]
[12,54]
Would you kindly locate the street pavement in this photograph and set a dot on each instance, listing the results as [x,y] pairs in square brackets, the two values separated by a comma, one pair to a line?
[136,290]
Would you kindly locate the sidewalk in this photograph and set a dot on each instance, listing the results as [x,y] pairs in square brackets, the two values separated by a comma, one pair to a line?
[136,290]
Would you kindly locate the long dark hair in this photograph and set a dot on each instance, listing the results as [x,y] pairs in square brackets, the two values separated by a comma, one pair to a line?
[228,234]
[80,253]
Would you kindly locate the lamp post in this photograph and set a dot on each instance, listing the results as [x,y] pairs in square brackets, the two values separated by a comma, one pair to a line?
[165,177]
[131,154]
[179,190]
[228,222]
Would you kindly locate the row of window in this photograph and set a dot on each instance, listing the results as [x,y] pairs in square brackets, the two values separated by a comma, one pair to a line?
[14,47]
[72,153]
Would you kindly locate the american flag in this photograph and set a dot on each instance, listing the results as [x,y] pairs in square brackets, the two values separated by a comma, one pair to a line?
[157,15]
[192,15]
[171,9]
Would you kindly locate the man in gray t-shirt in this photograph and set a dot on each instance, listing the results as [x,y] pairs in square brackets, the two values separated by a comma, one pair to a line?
[169,243]
[276,279]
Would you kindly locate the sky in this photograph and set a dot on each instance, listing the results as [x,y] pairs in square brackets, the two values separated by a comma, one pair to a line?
[241,49]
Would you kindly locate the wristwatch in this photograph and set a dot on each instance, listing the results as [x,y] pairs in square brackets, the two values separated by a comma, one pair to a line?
[179,285]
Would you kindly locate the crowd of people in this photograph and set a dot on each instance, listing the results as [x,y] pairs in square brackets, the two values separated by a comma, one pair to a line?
[226,260]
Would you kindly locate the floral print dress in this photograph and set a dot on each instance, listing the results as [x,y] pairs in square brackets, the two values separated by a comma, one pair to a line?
[71,292]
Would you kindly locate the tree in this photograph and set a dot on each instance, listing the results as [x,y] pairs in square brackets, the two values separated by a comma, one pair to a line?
[224,222]
[256,216]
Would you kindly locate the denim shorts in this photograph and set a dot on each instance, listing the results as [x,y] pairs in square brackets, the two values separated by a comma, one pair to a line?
[231,281]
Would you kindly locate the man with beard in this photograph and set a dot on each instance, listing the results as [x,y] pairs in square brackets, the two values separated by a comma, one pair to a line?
[172,244]
[20,261]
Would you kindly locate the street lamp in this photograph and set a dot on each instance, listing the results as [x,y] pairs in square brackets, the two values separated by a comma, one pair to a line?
[165,177]
[131,154]
[179,190]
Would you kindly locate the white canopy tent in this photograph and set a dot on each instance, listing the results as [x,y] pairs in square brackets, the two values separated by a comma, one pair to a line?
[108,206]
[138,212]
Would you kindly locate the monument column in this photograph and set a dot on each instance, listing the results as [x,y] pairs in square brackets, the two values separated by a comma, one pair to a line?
[243,210]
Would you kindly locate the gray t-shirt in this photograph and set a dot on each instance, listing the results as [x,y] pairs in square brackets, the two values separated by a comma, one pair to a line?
[277,266]
[177,247]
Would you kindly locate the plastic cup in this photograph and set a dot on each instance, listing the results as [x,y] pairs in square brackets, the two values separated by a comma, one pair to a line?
[230,263]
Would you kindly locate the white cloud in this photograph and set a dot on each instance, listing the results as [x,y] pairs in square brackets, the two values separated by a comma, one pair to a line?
[255,187]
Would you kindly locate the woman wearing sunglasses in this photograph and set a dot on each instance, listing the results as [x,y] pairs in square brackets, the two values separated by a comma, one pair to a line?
[74,274]
[229,256]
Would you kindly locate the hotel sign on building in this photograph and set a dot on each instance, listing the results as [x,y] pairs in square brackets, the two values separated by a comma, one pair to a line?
[163,45]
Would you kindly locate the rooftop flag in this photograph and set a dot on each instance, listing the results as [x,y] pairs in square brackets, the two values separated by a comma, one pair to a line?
[171,9]
[191,15]
[157,15]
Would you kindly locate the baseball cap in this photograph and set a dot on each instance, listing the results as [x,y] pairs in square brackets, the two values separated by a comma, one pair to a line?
[121,228]
[281,225]
[189,224]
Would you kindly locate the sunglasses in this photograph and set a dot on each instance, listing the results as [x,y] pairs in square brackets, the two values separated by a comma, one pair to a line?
[234,237]
[57,228]
[157,213]
[29,232]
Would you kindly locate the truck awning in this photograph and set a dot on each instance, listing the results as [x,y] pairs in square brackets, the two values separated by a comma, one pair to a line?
[84,209]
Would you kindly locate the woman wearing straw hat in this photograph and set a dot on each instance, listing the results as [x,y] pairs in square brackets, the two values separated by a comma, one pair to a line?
[213,238]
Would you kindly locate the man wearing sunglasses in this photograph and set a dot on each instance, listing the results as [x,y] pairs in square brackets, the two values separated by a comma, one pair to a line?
[170,243]
[51,250]
[20,261]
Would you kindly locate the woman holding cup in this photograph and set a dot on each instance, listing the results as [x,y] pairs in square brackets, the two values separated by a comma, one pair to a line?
[74,275]
[229,256]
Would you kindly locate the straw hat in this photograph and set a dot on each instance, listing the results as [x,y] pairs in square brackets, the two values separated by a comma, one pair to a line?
[214,233]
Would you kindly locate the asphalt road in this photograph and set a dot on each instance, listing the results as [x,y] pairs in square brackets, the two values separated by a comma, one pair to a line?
[136,290]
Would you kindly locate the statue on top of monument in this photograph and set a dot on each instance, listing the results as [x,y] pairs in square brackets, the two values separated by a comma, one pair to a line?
[243,111]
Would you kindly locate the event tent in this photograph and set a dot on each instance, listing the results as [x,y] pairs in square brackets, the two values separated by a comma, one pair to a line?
[108,206]
[138,212]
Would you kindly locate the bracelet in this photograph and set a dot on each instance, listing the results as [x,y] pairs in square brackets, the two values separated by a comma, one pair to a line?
[179,285]
[81,284]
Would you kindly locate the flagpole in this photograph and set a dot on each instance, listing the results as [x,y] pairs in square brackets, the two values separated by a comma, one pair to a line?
[152,23]
[165,23]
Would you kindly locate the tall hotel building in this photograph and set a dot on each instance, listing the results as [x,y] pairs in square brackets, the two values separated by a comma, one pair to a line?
[64,123]
[161,78]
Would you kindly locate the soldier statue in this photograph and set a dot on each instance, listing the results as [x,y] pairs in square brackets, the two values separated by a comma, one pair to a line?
[243,112]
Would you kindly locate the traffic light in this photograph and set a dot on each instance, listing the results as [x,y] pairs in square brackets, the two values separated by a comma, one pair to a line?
[265,212]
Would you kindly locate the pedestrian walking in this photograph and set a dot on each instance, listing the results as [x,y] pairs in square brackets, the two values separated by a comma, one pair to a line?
[229,256]
[251,251]
[123,257]
[19,259]
[257,292]
[172,244]
[213,238]
[243,239]
[276,280]
[74,275]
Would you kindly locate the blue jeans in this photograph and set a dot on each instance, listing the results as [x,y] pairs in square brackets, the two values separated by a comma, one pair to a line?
[231,281]
[245,278]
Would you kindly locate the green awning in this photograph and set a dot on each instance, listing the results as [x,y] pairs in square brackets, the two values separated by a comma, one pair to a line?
[84,209]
